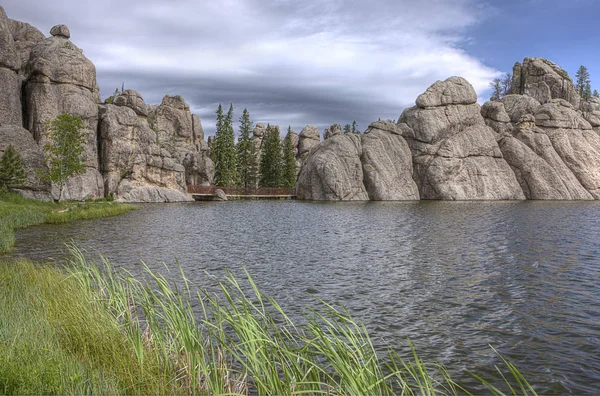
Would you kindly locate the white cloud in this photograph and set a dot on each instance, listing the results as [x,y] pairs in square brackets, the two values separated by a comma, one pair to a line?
[373,58]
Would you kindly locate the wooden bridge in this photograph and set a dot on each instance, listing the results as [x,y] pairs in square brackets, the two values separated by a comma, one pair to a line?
[206,193]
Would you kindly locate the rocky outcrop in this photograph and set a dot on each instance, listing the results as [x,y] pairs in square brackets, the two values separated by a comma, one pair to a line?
[345,167]
[32,157]
[592,113]
[387,164]
[308,139]
[529,148]
[62,80]
[25,37]
[135,151]
[133,193]
[333,171]
[333,130]
[543,80]
[219,195]
[455,154]
[144,156]
[10,83]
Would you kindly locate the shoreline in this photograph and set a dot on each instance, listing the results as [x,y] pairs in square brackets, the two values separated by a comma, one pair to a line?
[18,212]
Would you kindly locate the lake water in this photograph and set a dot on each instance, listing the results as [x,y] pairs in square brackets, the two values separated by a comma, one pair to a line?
[454,277]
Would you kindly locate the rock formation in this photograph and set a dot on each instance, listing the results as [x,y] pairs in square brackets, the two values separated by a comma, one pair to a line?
[543,80]
[32,157]
[60,79]
[333,171]
[539,142]
[309,138]
[532,144]
[376,165]
[551,148]
[333,130]
[147,150]
[135,151]
[592,114]
[455,154]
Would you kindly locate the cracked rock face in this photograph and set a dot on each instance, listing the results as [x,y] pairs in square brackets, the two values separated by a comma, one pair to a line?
[551,148]
[346,167]
[455,154]
[308,139]
[333,171]
[543,80]
[154,158]
[62,80]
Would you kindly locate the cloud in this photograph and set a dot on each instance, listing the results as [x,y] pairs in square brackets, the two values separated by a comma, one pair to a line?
[289,62]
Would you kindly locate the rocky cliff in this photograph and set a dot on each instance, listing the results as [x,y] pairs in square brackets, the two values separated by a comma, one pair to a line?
[539,142]
[135,151]
[535,143]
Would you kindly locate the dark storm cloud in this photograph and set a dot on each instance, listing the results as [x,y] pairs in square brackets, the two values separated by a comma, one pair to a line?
[288,62]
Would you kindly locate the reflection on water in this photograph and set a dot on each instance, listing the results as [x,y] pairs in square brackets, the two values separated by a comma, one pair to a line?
[453,277]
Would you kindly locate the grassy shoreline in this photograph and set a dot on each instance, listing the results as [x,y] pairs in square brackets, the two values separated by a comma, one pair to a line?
[90,329]
[18,212]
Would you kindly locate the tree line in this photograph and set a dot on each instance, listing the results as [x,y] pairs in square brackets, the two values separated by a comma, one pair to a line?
[246,165]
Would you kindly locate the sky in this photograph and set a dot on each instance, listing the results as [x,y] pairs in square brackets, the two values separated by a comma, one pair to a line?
[320,62]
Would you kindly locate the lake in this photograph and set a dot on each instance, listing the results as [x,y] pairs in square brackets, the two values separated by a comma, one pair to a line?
[454,277]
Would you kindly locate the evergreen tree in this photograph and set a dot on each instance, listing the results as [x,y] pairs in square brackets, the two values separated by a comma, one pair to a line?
[595,94]
[64,151]
[289,173]
[355,127]
[583,83]
[347,128]
[246,153]
[496,86]
[12,173]
[270,161]
[223,150]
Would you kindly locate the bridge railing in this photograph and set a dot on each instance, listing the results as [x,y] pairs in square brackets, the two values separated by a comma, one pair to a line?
[241,190]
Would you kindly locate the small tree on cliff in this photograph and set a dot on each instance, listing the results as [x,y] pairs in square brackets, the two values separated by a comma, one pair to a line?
[12,173]
[223,150]
[64,150]
[355,127]
[595,94]
[496,86]
[270,161]
[246,153]
[347,128]
[583,83]
[289,172]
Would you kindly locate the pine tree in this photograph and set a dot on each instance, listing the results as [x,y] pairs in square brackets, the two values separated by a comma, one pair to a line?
[246,153]
[583,83]
[347,128]
[355,127]
[12,173]
[595,94]
[64,151]
[289,173]
[270,161]
[496,86]
[223,150]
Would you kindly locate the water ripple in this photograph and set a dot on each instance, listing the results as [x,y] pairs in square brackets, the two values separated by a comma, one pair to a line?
[453,277]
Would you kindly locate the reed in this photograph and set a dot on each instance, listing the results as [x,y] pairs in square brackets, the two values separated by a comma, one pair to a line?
[241,341]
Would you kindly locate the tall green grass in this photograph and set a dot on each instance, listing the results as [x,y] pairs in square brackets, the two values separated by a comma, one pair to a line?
[243,342]
[17,212]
